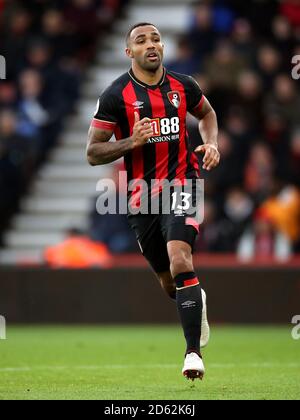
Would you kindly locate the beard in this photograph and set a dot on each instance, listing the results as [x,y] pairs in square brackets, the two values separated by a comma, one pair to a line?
[149,66]
[152,67]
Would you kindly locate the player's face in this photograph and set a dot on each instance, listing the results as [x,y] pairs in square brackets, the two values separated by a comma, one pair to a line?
[146,48]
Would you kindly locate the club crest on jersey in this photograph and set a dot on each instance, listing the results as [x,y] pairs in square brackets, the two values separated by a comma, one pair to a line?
[175,99]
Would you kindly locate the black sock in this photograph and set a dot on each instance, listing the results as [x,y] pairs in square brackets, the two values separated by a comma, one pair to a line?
[189,305]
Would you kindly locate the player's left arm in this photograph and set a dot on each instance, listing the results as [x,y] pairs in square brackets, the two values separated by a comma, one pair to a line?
[208,127]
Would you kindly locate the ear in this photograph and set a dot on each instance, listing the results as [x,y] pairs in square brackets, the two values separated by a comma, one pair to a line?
[129,53]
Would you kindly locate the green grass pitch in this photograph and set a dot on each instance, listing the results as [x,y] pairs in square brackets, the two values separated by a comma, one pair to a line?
[144,362]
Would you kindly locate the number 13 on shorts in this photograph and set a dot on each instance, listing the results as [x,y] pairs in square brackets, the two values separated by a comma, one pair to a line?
[181,201]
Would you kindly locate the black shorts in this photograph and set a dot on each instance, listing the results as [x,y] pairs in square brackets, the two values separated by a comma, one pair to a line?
[153,232]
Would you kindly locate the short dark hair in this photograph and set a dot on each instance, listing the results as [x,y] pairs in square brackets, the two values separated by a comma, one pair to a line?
[137,25]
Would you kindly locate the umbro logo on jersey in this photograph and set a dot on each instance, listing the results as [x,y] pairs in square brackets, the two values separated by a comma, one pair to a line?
[175,99]
[138,105]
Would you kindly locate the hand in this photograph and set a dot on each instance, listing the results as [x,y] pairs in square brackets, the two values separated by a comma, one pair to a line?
[142,131]
[211,156]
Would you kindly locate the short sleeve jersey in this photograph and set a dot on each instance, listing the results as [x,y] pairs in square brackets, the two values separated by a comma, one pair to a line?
[167,154]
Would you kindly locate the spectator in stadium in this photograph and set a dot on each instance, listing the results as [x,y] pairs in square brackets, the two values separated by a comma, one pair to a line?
[62,43]
[202,35]
[60,79]
[226,174]
[264,241]
[268,64]
[210,238]
[184,61]
[285,99]
[15,164]
[33,114]
[238,210]
[8,95]
[283,208]
[14,145]
[31,89]
[259,172]
[16,30]
[113,229]
[291,10]
[242,133]
[249,97]
[77,251]
[276,133]
[243,41]
[294,157]
[283,38]
[81,18]
[40,113]
[223,17]
[1,7]
[224,66]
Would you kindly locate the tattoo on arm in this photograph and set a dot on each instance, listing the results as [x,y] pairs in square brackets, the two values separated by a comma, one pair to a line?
[101,151]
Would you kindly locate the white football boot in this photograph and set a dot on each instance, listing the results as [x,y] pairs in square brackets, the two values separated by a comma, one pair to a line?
[205,330]
[193,367]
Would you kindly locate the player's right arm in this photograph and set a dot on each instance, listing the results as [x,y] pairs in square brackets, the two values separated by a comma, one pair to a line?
[100,151]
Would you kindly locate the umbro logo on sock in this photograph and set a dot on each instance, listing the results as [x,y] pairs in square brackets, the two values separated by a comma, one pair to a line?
[188,304]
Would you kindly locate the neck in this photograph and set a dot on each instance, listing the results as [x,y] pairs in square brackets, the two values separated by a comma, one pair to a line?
[148,77]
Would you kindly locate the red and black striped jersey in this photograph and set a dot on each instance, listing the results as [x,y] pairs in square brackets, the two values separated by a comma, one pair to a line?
[167,154]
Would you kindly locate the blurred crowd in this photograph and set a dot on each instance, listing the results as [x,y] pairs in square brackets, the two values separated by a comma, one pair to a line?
[241,54]
[47,45]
